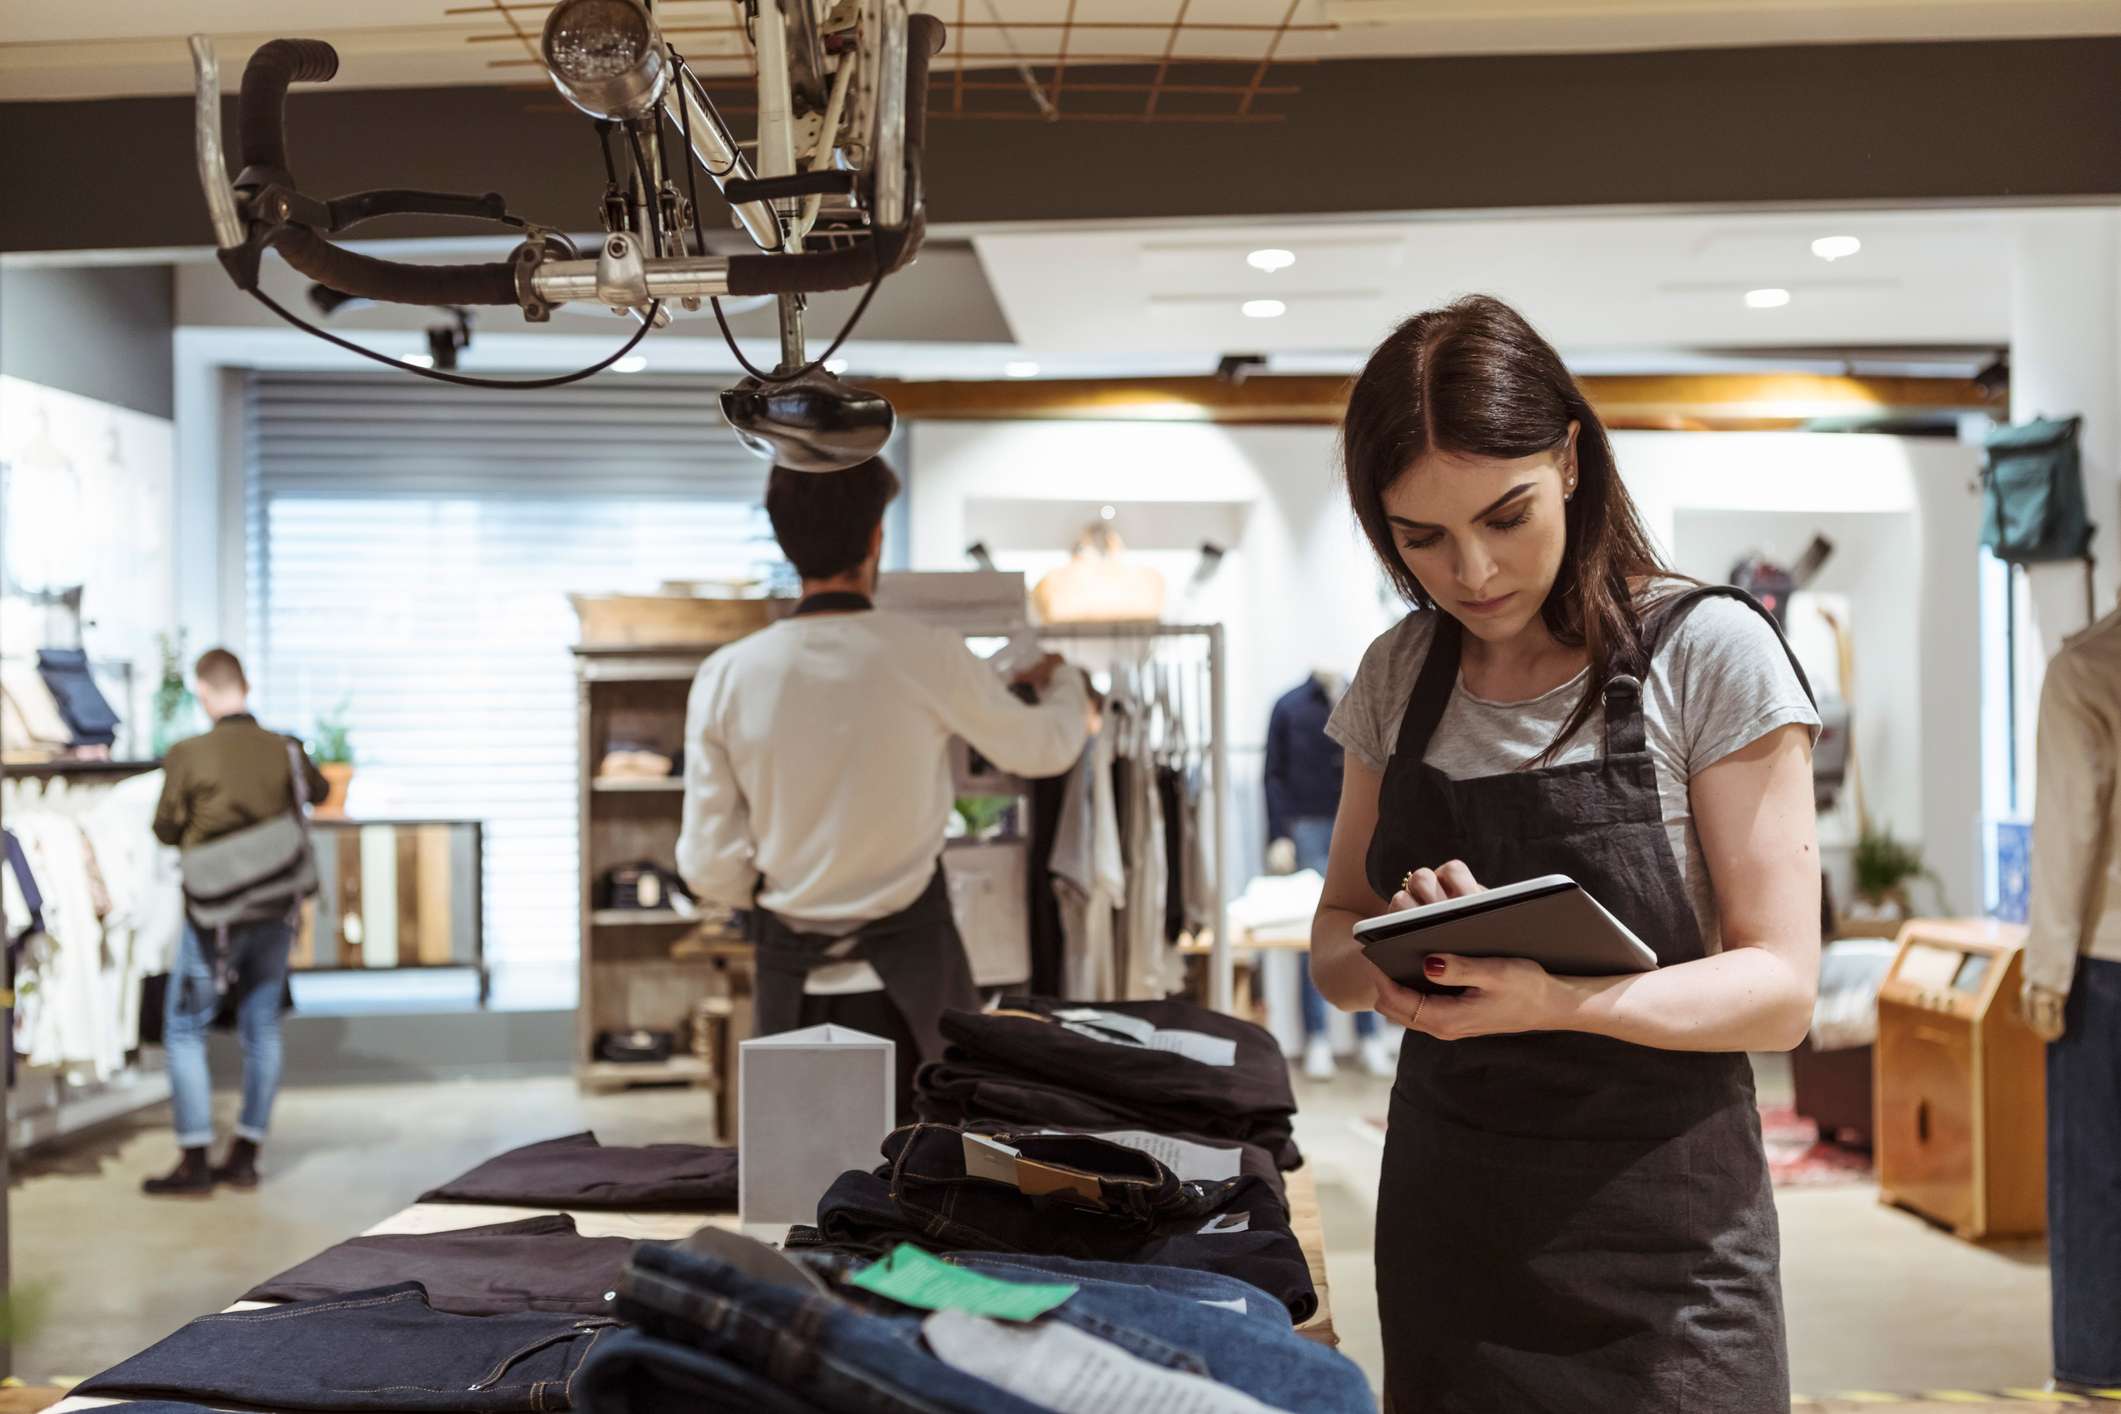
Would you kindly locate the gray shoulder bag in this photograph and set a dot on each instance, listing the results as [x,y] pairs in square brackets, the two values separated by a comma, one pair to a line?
[257,874]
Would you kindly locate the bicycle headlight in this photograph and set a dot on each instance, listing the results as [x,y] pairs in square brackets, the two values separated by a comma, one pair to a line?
[607,57]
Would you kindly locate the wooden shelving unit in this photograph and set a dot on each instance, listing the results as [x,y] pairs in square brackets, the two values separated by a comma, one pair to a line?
[634,973]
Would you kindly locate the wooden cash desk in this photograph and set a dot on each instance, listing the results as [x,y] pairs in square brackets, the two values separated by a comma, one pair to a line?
[1961,1126]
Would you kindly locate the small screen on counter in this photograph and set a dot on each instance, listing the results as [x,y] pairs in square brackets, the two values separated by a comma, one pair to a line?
[1972,973]
[1929,967]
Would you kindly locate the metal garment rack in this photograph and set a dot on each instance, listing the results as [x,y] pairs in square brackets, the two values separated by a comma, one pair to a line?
[1199,678]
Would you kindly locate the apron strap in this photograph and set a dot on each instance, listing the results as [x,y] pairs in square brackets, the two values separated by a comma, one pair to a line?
[1667,615]
[1432,690]
[1625,734]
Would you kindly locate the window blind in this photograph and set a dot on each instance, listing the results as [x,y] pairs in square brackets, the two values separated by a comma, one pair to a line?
[411,550]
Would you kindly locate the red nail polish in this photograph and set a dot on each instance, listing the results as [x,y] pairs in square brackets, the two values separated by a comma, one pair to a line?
[1433,966]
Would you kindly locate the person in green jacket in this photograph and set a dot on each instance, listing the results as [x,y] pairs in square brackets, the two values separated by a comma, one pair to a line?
[235,775]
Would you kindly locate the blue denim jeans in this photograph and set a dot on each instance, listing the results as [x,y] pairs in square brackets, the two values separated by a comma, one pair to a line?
[262,950]
[1313,837]
[869,1359]
[2084,1179]
[632,1373]
[380,1350]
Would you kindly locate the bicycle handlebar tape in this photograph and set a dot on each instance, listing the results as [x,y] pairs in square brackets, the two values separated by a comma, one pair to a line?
[811,273]
[925,38]
[262,116]
[394,281]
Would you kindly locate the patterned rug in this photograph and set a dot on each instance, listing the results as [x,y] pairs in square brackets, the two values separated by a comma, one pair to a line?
[1799,1158]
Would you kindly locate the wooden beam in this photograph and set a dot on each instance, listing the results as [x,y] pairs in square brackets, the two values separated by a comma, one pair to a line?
[1722,401]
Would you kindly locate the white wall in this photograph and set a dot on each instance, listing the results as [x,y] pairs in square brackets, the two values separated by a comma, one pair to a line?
[1300,588]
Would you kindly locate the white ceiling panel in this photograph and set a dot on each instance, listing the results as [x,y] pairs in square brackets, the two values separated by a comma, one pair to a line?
[1590,282]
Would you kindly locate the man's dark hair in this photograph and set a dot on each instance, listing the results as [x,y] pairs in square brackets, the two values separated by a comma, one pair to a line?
[219,668]
[824,520]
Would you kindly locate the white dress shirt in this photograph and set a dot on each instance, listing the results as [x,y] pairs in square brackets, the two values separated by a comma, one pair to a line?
[817,770]
[2076,883]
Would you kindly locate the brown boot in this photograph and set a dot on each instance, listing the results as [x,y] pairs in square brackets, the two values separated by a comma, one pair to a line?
[241,1170]
[191,1178]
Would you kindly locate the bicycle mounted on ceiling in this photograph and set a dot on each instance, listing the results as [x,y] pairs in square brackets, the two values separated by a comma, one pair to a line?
[834,200]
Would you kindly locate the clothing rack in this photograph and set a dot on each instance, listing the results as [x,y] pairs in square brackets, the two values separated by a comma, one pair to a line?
[1184,668]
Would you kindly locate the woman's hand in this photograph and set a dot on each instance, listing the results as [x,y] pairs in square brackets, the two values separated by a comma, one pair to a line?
[1503,995]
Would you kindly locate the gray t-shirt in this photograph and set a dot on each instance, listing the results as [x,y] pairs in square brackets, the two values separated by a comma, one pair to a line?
[1720,681]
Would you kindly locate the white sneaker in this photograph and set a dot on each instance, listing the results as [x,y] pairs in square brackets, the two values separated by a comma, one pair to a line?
[1318,1059]
[1379,1057]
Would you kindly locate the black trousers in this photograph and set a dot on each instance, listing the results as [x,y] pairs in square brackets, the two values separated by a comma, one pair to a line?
[876,1014]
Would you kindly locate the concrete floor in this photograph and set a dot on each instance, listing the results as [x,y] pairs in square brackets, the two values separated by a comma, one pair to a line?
[1878,1301]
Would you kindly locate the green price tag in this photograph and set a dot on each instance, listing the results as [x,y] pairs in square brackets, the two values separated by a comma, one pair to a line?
[911,1277]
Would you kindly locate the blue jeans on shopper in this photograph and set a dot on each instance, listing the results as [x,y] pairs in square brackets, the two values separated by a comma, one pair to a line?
[260,976]
[1313,837]
[2084,1179]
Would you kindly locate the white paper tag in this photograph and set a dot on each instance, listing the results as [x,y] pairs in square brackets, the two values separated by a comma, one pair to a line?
[1193,1045]
[1235,1303]
[1131,1026]
[1060,1368]
[1199,1163]
[984,1158]
[1228,1222]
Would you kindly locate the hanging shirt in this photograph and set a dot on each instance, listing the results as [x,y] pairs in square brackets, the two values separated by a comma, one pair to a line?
[1303,767]
[817,771]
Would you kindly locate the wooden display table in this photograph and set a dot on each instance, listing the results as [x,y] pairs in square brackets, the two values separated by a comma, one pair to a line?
[1305,1219]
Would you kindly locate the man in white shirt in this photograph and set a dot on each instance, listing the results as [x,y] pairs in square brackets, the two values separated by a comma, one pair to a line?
[818,786]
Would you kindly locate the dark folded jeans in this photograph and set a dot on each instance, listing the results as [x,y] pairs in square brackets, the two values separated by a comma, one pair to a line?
[1252,1160]
[924,1196]
[372,1350]
[1091,1046]
[578,1172]
[633,1373]
[963,1089]
[538,1264]
[865,1355]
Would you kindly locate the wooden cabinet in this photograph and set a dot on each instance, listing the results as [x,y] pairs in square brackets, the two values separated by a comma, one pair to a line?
[648,968]
[1961,1126]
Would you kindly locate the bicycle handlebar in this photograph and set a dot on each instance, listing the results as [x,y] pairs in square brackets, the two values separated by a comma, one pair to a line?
[262,136]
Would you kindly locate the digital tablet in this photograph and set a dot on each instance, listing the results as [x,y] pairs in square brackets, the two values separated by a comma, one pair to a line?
[1550,920]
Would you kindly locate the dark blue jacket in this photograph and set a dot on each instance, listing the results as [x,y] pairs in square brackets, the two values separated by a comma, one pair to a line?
[1303,763]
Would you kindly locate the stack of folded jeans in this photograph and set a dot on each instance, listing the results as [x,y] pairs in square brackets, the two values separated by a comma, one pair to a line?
[1058,1195]
[578,1172]
[1168,1067]
[536,1264]
[716,1333]
[385,1349]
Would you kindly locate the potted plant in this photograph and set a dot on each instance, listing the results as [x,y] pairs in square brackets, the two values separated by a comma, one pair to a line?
[331,747]
[1884,868]
[176,710]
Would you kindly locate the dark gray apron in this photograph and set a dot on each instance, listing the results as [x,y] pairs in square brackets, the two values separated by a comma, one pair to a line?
[916,952]
[1568,1222]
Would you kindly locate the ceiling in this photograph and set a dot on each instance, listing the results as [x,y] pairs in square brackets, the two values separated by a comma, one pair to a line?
[1592,284]
[109,48]
[1928,292]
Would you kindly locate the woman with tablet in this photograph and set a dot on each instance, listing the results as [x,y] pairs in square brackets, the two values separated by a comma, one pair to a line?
[1575,1211]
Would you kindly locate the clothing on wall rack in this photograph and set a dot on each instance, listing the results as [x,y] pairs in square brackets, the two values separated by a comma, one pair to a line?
[93,907]
[1138,850]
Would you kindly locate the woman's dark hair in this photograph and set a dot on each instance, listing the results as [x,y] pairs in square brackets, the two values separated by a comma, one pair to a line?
[1475,379]
[824,520]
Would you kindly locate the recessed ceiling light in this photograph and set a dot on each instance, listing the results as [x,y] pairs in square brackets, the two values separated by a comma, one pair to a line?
[420,360]
[1265,309]
[632,363]
[836,366]
[1271,259]
[1110,513]
[1766,299]
[1836,247]
[1021,368]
